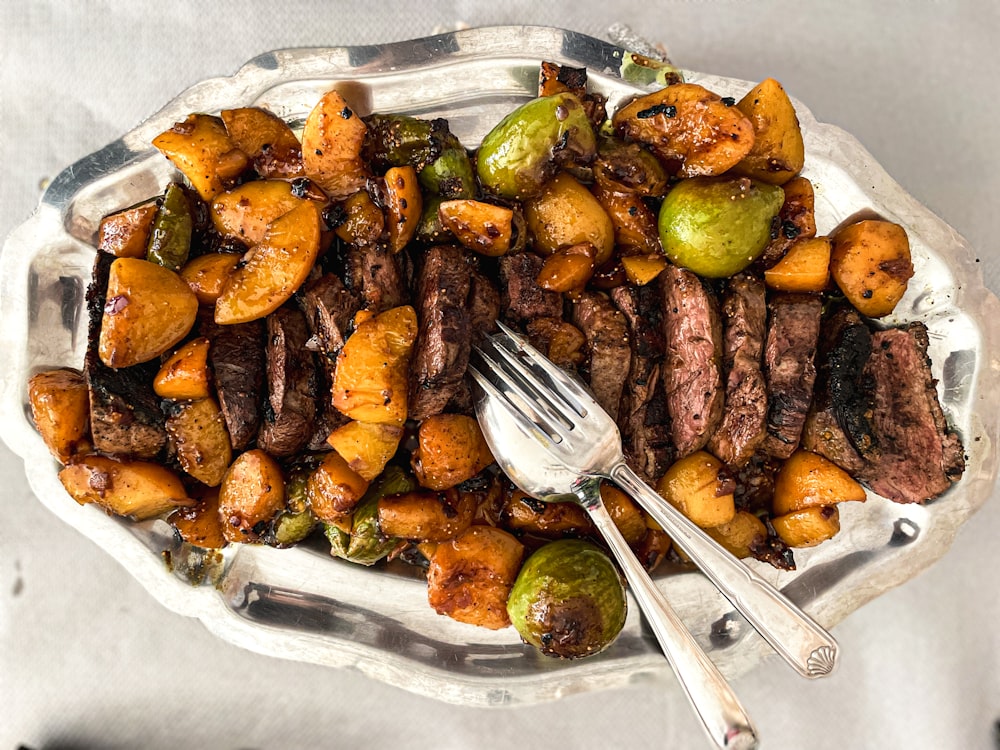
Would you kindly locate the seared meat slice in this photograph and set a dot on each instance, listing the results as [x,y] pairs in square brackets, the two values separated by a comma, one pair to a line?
[236,358]
[920,457]
[609,354]
[125,413]
[644,422]
[523,299]
[484,306]
[441,351]
[290,409]
[790,368]
[744,316]
[692,331]
[377,277]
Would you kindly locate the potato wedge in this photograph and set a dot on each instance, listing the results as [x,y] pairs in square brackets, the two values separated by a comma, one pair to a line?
[266,139]
[362,222]
[60,409]
[871,264]
[207,274]
[485,228]
[629,519]
[450,449]
[198,431]
[184,375]
[568,269]
[699,486]
[332,140]
[403,205]
[470,577]
[366,447]
[201,525]
[567,213]
[526,515]
[334,490]
[689,124]
[245,212]
[137,489]
[252,493]
[809,526]
[201,148]
[371,379]
[125,234]
[808,479]
[641,269]
[149,309]
[426,515]
[277,267]
[804,268]
[739,535]
[778,152]
[634,223]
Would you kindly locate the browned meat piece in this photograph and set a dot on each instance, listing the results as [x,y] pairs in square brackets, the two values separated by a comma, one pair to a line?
[790,368]
[290,408]
[692,378]
[377,277]
[125,413]
[441,352]
[484,306]
[744,316]
[920,457]
[236,358]
[643,420]
[523,299]
[609,354]
[329,307]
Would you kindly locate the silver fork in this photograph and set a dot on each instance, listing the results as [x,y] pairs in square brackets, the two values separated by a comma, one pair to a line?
[538,473]
[572,432]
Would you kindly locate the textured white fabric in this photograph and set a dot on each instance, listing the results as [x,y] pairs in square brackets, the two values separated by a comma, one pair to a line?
[88,659]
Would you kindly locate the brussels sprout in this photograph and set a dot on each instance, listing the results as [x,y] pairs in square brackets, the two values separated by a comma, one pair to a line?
[170,236]
[396,140]
[292,528]
[568,600]
[527,146]
[451,174]
[366,544]
[718,227]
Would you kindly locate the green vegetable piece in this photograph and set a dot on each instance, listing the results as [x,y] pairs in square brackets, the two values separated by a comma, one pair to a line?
[397,140]
[527,146]
[292,528]
[716,227]
[450,175]
[170,238]
[568,600]
[366,544]
[430,230]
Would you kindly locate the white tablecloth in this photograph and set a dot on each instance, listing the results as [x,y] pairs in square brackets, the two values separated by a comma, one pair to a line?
[89,659]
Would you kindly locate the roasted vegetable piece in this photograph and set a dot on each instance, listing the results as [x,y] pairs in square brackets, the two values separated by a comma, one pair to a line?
[642,269]
[629,168]
[701,488]
[871,264]
[450,449]
[201,148]
[365,544]
[565,213]
[631,521]
[199,435]
[740,535]
[277,267]
[371,377]
[809,526]
[366,447]
[805,267]
[470,577]
[524,514]
[427,515]
[207,274]
[568,269]
[252,493]
[138,489]
[126,233]
[717,227]
[363,222]
[520,154]
[266,139]
[246,211]
[634,223]
[559,340]
[184,375]
[290,528]
[396,140]
[334,489]
[778,153]
[451,175]
[568,600]
[149,309]
[483,227]
[170,235]
[332,139]
[403,205]
[807,479]
[60,409]
[200,525]
[689,124]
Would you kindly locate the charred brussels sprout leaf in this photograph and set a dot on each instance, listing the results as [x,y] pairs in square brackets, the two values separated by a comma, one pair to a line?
[170,237]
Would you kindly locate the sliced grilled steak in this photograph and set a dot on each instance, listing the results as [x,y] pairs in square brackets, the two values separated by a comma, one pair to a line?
[643,420]
[125,413]
[484,306]
[441,351]
[920,457]
[692,331]
[609,354]
[744,318]
[523,299]
[377,277]
[236,358]
[790,368]
[290,409]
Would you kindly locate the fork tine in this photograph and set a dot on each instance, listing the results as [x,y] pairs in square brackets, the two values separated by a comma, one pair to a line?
[514,411]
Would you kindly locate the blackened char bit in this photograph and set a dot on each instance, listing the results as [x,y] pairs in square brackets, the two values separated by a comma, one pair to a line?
[609,355]
[290,421]
[692,332]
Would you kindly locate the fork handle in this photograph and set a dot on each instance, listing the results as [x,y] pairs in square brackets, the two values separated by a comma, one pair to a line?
[717,706]
[791,632]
